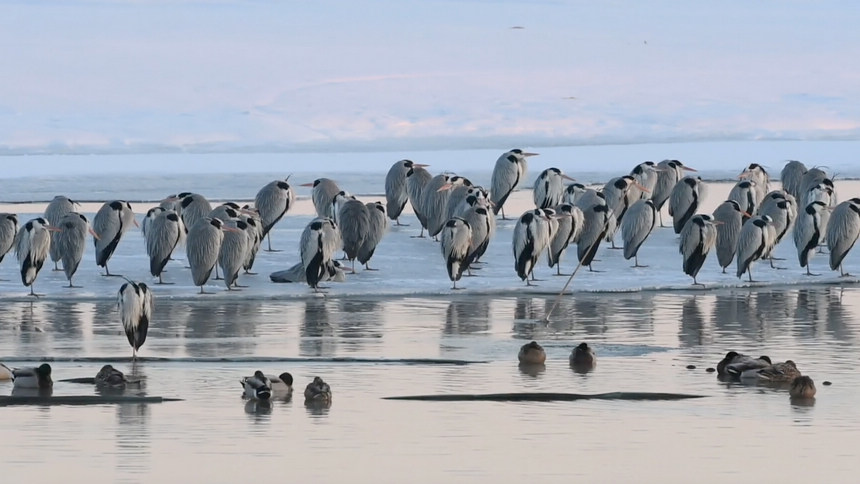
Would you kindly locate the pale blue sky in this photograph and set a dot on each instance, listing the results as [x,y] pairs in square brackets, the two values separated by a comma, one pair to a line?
[222,75]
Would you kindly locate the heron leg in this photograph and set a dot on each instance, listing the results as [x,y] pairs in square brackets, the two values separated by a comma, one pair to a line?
[419,236]
[72,286]
[773,266]
[660,215]
[367,267]
[637,264]
[809,273]
[724,270]
[842,273]
[162,282]
[56,266]
[270,249]
[250,273]
[397,223]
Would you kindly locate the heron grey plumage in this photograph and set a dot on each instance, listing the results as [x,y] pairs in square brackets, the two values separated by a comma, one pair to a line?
[395,188]
[151,214]
[532,235]
[697,239]
[136,305]
[202,247]
[71,241]
[791,177]
[225,212]
[8,231]
[509,172]
[456,241]
[744,193]
[319,242]
[459,188]
[843,229]
[57,208]
[110,223]
[32,244]
[636,226]
[809,231]
[323,193]
[417,178]
[781,207]
[618,198]
[192,207]
[233,251]
[377,224]
[162,238]
[255,235]
[570,222]
[549,188]
[272,202]
[480,220]
[813,177]
[353,224]
[754,242]
[669,173]
[685,199]
[730,217]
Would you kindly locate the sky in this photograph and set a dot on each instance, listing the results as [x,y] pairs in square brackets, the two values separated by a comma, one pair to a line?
[338,75]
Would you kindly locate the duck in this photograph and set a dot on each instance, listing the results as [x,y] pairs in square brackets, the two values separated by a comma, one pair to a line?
[318,391]
[583,358]
[39,377]
[109,376]
[727,360]
[282,384]
[802,387]
[779,373]
[532,354]
[747,367]
[257,387]
[5,373]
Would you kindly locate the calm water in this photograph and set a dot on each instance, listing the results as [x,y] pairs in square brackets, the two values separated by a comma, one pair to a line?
[644,342]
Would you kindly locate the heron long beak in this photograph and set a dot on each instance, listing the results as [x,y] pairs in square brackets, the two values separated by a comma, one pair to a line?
[530,154]
[171,199]
[568,177]
[688,168]
[640,187]
[746,214]
[51,228]
[718,222]
[446,186]
[309,185]
[420,165]
[230,229]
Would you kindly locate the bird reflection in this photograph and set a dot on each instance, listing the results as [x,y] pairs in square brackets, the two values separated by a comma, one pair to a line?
[467,316]
[531,369]
[528,308]
[692,331]
[318,408]
[317,333]
[360,322]
[260,409]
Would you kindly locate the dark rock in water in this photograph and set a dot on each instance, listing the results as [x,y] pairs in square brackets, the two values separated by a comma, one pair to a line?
[827,383]
[691,367]
[710,370]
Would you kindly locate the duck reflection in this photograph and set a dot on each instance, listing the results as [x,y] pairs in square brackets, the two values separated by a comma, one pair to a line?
[260,409]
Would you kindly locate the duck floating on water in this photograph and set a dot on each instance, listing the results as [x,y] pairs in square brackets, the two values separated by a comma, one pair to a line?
[318,392]
[257,387]
[802,387]
[582,358]
[38,377]
[532,354]
[109,376]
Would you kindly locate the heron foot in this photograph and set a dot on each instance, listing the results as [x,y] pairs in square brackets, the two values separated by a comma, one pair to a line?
[616,248]
[400,224]
[638,265]
[560,274]
[162,283]
[417,236]
[811,274]
[273,250]
[112,275]
[250,273]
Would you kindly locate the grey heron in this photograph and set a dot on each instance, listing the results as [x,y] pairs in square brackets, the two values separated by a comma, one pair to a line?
[151,214]
[636,226]
[110,223]
[744,193]
[135,303]
[754,242]
[480,221]
[618,196]
[417,178]
[843,229]
[272,202]
[570,223]
[459,188]
[234,251]
[669,173]
[396,194]
[225,212]
[685,199]
[202,247]
[257,387]
[791,176]
[435,203]
[255,234]
[573,192]
[323,193]
[57,208]
[8,230]
[353,222]
[509,172]
[759,175]
[319,242]
[809,231]
[697,239]
[731,218]
[549,188]
[377,224]
[599,220]
[162,237]
[32,245]
[532,236]
[192,207]
[782,209]
[71,241]
[812,178]
[456,243]
[645,174]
